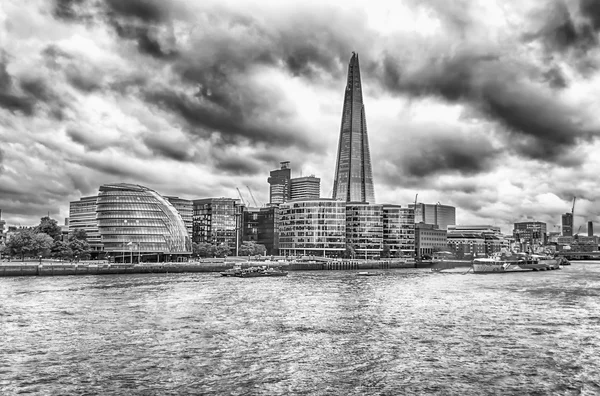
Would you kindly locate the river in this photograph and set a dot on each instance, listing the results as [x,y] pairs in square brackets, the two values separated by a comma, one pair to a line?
[409,331]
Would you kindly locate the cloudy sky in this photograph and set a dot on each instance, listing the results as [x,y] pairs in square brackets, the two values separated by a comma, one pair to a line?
[493,108]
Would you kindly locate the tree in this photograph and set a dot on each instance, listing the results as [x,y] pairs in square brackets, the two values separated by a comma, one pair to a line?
[385,252]
[350,251]
[78,234]
[50,227]
[222,250]
[28,242]
[81,249]
[61,250]
[251,248]
[203,249]
[41,244]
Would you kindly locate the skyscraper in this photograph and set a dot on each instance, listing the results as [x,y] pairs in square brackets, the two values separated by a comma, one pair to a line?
[353,174]
[279,183]
[307,187]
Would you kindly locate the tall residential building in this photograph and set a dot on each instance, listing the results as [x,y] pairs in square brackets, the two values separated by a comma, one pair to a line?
[82,216]
[185,209]
[353,174]
[567,224]
[218,221]
[308,187]
[436,214]
[279,184]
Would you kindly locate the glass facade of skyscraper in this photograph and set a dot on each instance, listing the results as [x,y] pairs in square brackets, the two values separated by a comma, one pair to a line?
[218,221]
[436,214]
[138,224]
[353,176]
[185,208]
[399,230]
[364,229]
[312,227]
[279,184]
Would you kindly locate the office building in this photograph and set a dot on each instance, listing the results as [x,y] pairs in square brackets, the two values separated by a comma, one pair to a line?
[436,214]
[429,238]
[312,227]
[307,187]
[530,234]
[82,216]
[185,209]
[353,180]
[137,224]
[590,229]
[279,184]
[466,245]
[250,224]
[567,224]
[364,229]
[218,221]
[398,230]
[494,240]
[268,229]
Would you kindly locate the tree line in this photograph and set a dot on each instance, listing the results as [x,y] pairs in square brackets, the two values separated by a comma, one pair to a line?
[45,240]
[247,248]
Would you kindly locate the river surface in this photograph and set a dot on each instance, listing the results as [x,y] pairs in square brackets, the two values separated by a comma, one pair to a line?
[409,331]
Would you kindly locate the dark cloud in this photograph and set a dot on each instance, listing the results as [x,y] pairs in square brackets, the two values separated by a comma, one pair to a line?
[147,41]
[9,98]
[68,9]
[144,10]
[175,150]
[1,160]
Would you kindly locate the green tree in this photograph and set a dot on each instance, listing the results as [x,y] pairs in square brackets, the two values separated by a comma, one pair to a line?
[20,243]
[61,250]
[222,250]
[50,227]
[78,234]
[203,249]
[350,252]
[385,252]
[251,248]
[41,244]
[81,249]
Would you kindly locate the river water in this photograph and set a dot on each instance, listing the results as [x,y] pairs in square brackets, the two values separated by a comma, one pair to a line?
[409,331]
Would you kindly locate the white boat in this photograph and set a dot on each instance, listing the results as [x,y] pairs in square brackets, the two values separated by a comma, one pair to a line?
[516,263]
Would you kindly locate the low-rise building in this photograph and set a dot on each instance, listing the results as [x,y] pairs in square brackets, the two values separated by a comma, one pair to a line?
[429,238]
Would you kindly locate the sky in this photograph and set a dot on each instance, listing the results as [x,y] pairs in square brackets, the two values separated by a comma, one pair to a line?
[493,108]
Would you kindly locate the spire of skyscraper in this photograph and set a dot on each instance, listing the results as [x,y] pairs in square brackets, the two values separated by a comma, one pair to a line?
[353,174]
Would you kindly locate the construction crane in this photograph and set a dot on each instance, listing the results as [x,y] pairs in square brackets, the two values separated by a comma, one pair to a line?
[241,198]
[252,195]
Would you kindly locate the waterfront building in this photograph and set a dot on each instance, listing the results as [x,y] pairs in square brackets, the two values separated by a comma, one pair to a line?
[307,187]
[312,227]
[429,238]
[185,209]
[82,216]
[218,221]
[495,241]
[579,243]
[364,229]
[567,224]
[279,184]
[137,224]
[250,224]
[466,244]
[398,230]
[353,180]
[436,214]
[530,234]
[268,229]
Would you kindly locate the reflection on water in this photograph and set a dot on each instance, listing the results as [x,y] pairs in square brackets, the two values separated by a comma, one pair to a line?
[311,333]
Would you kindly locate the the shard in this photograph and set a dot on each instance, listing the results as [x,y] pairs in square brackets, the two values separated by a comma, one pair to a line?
[353,174]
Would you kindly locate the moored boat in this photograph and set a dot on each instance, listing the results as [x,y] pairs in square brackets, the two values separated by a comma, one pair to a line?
[515,263]
[263,271]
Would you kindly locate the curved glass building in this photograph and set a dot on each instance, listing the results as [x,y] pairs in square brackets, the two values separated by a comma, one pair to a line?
[137,224]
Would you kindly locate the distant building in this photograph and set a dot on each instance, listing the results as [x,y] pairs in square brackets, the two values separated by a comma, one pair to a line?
[218,221]
[467,244]
[268,229]
[398,230]
[364,229]
[250,224]
[82,216]
[353,181]
[185,209]
[138,224]
[307,187]
[494,240]
[590,228]
[429,239]
[279,184]
[436,214]
[567,224]
[530,234]
[312,227]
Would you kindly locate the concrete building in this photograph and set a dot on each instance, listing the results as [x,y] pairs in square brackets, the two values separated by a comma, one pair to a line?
[218,221]
[353,180]
[82,216]
[567,224]
[429,239]
[436,214]
[307,187]
[364,229]
[279,183]
[530,234]
[312,227]
[398,230]
[467,245]
[137,224]
[495,241]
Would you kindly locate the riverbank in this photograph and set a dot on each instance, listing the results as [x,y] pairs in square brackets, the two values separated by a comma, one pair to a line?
[91,268]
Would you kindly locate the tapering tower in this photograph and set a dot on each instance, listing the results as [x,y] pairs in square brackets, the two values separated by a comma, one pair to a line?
[353,174]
